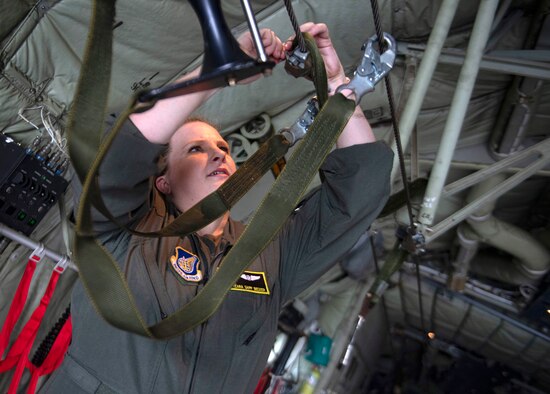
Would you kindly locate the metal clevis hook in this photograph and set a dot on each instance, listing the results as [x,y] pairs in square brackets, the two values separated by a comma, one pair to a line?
[299,129]
[373,67]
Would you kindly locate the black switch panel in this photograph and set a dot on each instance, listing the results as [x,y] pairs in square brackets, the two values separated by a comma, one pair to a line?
[28,189]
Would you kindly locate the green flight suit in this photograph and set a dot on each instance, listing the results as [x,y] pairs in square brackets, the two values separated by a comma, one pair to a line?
[227,353]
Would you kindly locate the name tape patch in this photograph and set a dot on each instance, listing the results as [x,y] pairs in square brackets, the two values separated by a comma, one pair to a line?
[252,282]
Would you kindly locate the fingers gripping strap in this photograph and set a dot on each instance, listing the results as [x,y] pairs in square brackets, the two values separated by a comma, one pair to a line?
[319,73]
[312,67]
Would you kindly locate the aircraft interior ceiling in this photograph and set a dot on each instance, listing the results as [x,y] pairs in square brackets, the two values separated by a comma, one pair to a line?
[467,306]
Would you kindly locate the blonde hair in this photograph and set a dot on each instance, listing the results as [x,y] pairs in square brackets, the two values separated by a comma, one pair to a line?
[162,158]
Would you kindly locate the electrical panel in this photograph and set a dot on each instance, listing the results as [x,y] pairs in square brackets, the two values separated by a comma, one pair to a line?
[31,182]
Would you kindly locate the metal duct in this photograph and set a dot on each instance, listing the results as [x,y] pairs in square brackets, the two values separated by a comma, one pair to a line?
[468,249]
[533,259]
[523,95]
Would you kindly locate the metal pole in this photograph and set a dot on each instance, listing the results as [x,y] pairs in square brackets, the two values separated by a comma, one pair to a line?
[425,71]
[459,106]
[432,233]
[464,165]
[254,31]
[31,244]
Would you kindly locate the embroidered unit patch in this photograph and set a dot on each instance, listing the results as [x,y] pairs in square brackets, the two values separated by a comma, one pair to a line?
[252,282]
[186,265]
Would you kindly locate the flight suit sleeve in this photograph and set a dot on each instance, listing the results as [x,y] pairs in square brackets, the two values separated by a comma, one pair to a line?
[355,188]
[124,177]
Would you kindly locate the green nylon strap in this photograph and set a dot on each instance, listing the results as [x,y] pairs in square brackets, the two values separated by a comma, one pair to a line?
[399,199]
[102,279]
[100,274]
[312,68]
[217,203]
[272,213]
[318,71]
[394,261]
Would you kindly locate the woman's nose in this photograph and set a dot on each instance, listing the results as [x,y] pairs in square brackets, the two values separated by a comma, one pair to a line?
[219,154]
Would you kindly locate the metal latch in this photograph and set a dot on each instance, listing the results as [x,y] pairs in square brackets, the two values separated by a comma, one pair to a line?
[298,63]
[299,129]
[411,240]
[373,67]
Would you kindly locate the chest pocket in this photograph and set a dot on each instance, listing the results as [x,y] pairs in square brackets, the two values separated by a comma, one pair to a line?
[245,312]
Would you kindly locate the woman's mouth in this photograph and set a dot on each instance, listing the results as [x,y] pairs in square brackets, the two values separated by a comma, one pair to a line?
[219,171]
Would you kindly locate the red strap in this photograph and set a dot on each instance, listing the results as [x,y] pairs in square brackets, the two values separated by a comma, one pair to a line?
[18,302]
[19,352]
[54,358]
[263,383]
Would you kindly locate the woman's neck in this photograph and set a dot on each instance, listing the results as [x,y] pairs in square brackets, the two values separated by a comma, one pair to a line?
[215,229]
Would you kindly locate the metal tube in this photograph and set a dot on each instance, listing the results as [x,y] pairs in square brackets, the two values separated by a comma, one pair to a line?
[31,244]
[538,154]
[468,249]
[504,65]
[425,71]
[534,258]
[526,63]
[459,106]
[430,234]
[463,165]
[253,27]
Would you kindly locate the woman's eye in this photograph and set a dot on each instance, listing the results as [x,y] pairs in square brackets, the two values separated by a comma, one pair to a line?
[224,148]
[195,148]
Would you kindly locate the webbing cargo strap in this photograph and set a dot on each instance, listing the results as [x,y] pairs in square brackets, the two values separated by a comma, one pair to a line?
[220,201]
[100,274]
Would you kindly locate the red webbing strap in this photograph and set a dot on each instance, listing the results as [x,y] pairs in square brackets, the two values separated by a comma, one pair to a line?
[19,299]
[19,352]
[54,358]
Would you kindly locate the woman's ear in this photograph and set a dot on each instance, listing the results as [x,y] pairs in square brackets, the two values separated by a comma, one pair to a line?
[163,185]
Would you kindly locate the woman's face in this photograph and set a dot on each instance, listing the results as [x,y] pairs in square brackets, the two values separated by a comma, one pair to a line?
[198,163]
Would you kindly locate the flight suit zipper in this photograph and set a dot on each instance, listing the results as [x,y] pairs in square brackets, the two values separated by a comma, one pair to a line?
[197,250]
[205,266]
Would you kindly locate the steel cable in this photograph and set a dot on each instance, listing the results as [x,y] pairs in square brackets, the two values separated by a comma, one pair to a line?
[295,25]
[397,136]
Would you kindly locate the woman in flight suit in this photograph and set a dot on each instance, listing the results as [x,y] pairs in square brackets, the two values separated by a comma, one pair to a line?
[227,353]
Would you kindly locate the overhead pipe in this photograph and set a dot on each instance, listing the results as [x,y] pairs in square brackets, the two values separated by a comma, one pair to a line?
[537,155]
[468,249]
[532,258]
[459,105]
[426,69]
[464,165]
